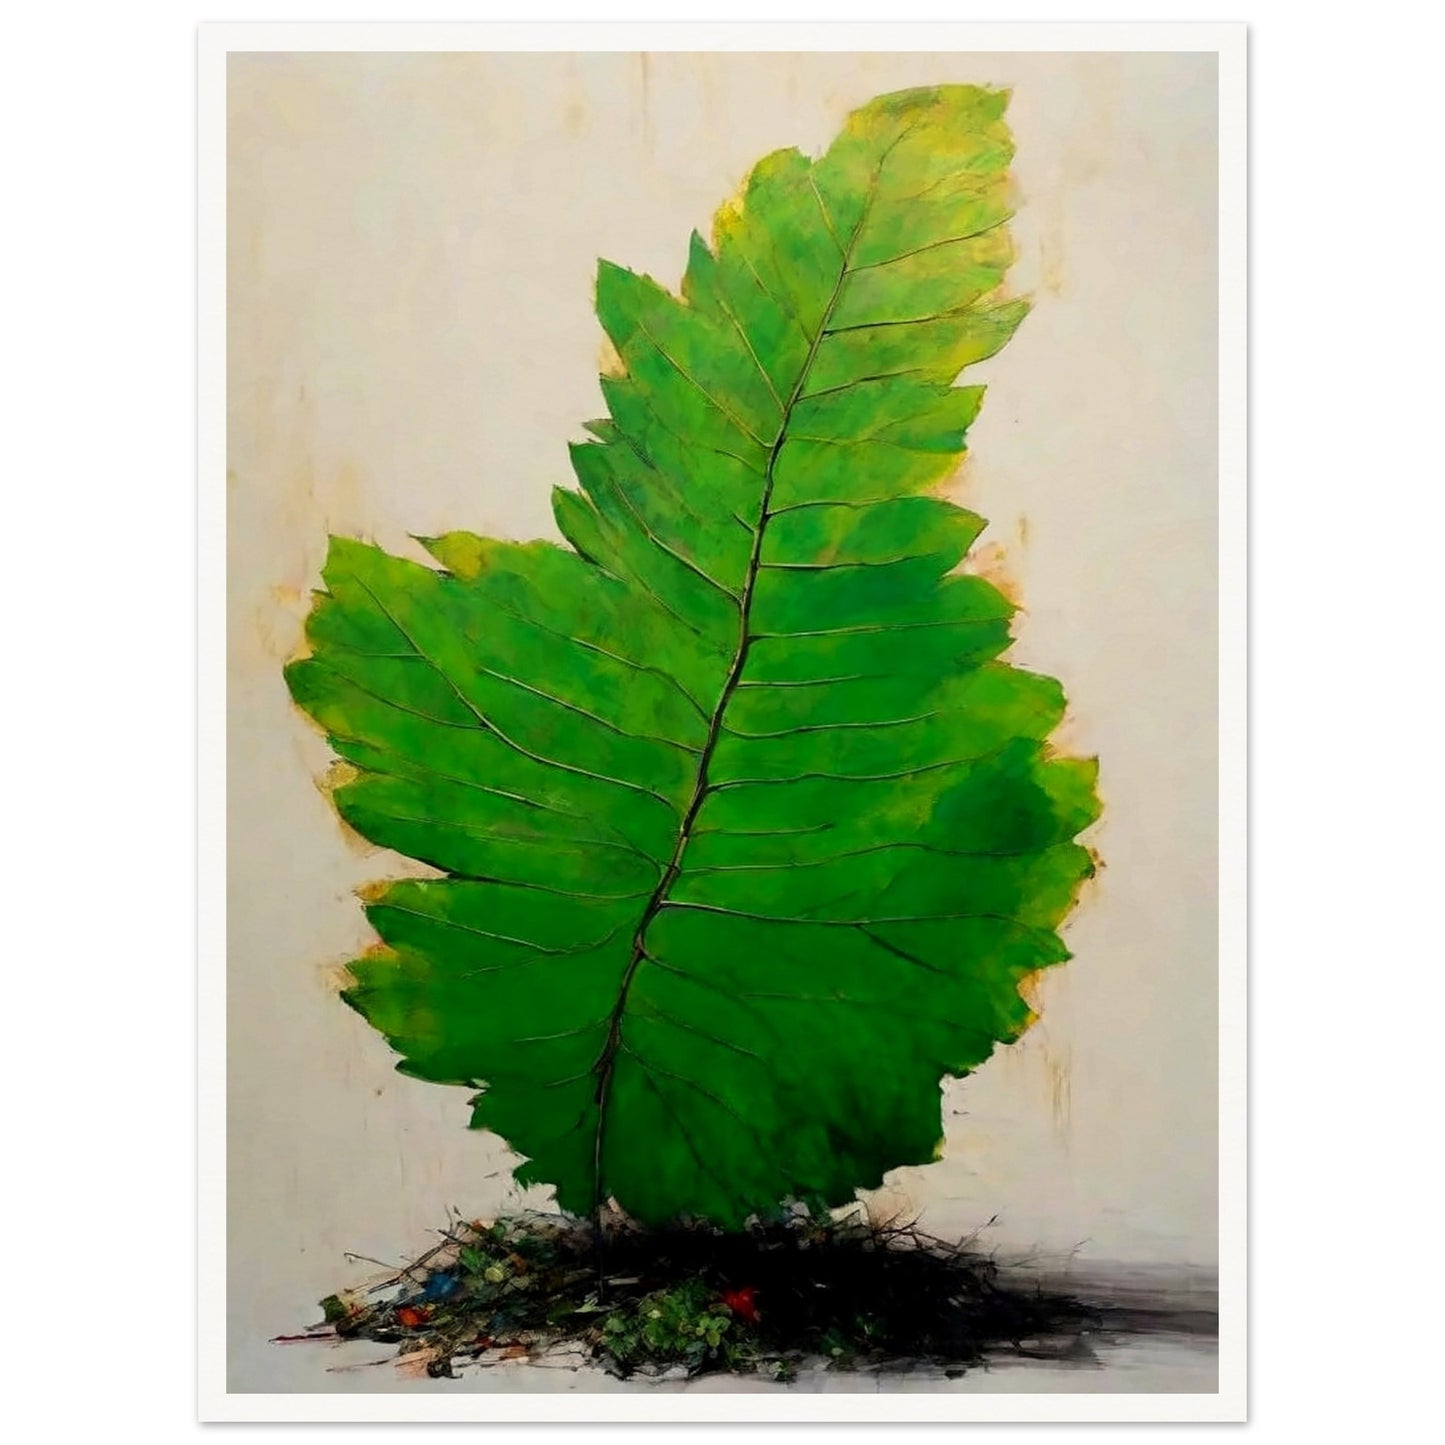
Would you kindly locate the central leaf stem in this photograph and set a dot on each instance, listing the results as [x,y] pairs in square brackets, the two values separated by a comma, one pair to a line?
[607,1059]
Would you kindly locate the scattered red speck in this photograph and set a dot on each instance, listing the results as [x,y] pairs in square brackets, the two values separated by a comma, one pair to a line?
[412,1315]
[742,1302]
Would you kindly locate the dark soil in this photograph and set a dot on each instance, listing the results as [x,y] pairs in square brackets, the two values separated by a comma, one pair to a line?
[850,1293]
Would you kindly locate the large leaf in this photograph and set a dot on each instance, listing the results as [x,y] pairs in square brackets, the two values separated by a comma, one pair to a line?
[749,837]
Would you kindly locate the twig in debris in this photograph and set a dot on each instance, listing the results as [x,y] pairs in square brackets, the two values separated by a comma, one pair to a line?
[848,1292]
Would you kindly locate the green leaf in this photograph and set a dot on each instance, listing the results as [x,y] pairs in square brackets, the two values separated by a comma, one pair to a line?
[748,835]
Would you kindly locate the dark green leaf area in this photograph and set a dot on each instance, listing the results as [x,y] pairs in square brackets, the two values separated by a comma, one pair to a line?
[914,722]
[955,840]
[789,602]
[747,834]
[999,805]
[750,1032]
[517,979]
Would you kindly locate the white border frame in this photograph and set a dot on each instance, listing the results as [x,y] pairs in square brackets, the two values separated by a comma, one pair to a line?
[1228,42]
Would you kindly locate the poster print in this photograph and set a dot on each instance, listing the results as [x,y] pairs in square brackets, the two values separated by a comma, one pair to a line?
[721,599]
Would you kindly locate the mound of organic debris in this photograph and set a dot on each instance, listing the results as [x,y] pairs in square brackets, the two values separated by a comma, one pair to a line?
[849,1292]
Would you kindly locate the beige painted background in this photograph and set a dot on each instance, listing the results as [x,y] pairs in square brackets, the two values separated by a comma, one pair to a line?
[412,240]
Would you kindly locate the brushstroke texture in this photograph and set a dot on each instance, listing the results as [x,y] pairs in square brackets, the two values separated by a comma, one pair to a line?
[749,836]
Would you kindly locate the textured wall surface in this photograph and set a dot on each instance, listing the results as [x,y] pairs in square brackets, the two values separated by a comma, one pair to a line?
[411,245]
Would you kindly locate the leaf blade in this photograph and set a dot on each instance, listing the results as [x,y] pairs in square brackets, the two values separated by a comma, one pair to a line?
[749,838]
